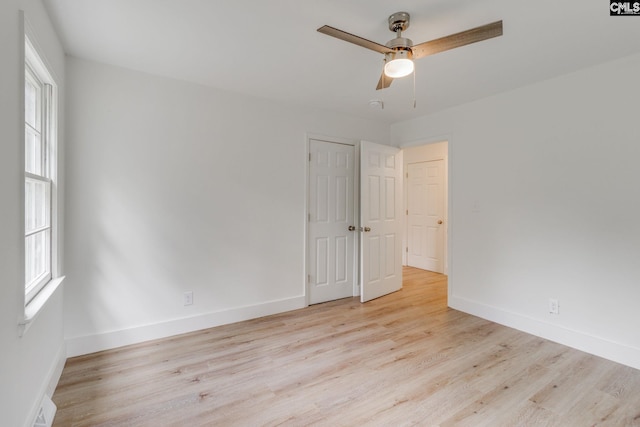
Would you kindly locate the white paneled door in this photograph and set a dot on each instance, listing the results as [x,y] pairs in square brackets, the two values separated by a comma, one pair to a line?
[381,219]
[425,215]
[332,256]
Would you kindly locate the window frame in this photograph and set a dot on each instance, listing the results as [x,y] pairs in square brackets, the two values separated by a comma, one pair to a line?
[36,71]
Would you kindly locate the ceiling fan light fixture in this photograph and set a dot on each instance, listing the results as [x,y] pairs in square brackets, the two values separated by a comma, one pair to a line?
[398,64]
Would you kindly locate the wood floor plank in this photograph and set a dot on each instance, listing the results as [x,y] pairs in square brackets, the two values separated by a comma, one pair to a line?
[405,359]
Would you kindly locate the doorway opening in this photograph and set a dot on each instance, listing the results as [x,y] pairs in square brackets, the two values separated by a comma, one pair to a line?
[356,240]
[426,200]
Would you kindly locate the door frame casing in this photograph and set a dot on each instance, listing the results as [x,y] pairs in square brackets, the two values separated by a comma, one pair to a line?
[356,209]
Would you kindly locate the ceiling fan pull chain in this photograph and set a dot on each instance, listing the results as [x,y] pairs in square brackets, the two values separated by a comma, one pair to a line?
[384,61]
[414,87]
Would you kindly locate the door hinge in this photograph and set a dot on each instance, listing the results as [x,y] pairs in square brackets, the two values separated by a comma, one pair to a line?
[407,211]
[407,175]
[309,217]
[407,249]
[309,156]
[308,278]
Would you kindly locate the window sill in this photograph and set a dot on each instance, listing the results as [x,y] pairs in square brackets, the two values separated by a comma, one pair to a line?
[36,305]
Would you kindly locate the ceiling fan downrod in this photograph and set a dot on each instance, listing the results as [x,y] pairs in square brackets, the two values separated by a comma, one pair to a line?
[399,22]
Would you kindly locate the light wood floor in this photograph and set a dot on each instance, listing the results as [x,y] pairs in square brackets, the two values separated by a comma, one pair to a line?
[404,359]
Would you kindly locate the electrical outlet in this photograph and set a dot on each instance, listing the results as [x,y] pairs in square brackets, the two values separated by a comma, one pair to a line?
[188,298]
[554,307]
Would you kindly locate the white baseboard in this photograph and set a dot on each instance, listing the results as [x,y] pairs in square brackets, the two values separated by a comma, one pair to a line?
[56,371]
[77,346]
[591,344]
[48,385]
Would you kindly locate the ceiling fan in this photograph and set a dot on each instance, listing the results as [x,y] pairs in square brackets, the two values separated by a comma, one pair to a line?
[400,52]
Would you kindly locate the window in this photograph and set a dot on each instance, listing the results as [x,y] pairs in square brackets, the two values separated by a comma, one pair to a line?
[39,173]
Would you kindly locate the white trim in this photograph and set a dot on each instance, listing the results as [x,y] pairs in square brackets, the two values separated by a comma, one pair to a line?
[429,140]
[356,221]
[77,346]
[592,344]
[42,63]
[22,162]
[336,139]
[37,303]
[38,178]
[34,61]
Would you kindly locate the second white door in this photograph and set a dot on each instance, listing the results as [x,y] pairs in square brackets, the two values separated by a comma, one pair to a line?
[331,265]
[425,215]
[381,219]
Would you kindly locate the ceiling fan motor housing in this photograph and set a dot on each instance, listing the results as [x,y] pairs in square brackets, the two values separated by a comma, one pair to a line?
[398,54]
[400,43]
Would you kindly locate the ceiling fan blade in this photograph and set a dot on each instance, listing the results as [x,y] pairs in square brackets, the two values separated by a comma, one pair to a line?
[462,38]
[348,37]
[384,82]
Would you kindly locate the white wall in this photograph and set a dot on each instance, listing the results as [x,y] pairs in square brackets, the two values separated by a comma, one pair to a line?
[176,187]
[30,365]
[545,204]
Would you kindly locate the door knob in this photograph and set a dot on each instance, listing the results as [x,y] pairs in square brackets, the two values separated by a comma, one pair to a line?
[351,228]
[439,221]
[367,229]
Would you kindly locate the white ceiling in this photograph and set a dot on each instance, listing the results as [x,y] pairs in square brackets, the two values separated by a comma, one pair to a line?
[271,49]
